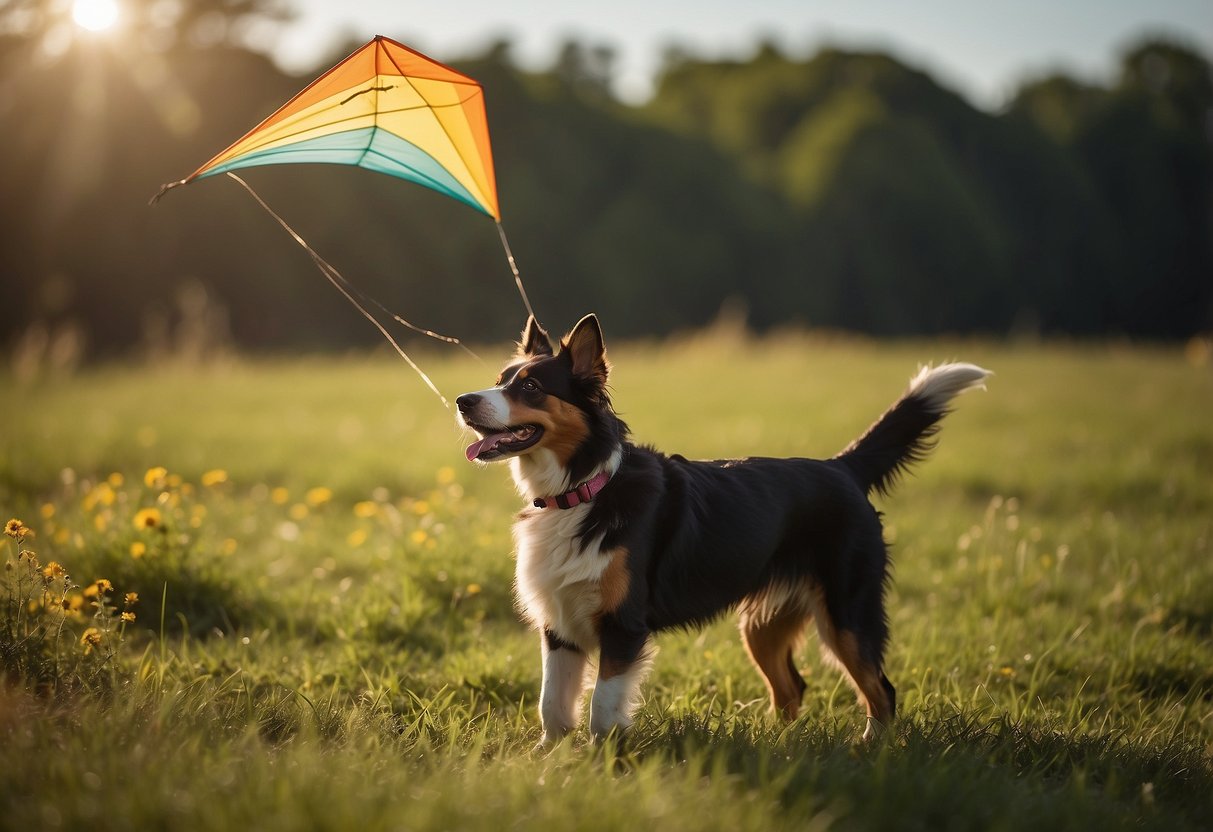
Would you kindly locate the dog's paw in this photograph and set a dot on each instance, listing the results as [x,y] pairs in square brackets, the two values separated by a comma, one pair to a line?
[615,732]
[550,740]
[874,732]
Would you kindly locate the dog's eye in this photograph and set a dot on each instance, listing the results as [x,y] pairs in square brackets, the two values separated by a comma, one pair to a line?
[530,385]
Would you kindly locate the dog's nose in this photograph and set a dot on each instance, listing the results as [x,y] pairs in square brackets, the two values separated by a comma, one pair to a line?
[467,401]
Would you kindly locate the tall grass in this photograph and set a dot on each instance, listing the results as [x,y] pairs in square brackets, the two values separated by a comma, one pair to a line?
[324,634]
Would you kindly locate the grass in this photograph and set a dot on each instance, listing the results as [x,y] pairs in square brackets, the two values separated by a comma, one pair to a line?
[325,636]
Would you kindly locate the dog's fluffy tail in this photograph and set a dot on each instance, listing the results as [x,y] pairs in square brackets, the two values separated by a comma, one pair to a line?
[906,432]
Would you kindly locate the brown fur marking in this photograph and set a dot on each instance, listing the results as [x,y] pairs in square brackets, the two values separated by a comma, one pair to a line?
[610,668]
[615,581]
[564,426]
[865,676]
[771,645]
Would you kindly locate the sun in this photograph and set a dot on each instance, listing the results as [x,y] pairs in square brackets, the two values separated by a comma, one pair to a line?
[95,15]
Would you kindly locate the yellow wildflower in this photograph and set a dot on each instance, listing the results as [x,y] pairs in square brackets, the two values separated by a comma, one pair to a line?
[48,511]
[148,518]
[17,530]
[101,494]
[298,511]
[446,475]
[115,480]
[229,546]
[356,538]
[473,589]
[421,508]
[131,598]
[128,617]
[97,587]
[279,496]
[174,480]
[74,603]
[154,478]
[215,477]
[197,515]
[366,508]
[318,496]
[54,570]
[418,536]
[90,639]
[138,549]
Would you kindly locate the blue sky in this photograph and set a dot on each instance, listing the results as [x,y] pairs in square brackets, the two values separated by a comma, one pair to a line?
[982,50]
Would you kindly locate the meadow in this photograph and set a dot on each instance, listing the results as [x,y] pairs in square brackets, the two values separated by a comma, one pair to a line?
[324,635]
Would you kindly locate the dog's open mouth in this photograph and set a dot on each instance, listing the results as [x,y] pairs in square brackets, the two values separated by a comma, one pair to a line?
[498,443]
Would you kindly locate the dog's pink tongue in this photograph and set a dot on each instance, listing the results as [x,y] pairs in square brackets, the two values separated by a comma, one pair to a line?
[487,444]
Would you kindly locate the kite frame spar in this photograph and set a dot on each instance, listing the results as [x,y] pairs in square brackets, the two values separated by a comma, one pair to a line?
[432,130]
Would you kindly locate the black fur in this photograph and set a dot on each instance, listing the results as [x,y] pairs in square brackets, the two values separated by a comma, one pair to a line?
[701,536]
[555,642]
[904,435]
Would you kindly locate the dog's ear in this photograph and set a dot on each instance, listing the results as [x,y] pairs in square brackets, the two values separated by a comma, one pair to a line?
[587,350]
[535,340]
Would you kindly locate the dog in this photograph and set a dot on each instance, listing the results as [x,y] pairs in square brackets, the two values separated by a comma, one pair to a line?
[621,541]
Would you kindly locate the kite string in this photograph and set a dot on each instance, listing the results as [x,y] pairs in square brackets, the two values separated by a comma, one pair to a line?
[449,339]
[332,273]
[340,284]
[509,255]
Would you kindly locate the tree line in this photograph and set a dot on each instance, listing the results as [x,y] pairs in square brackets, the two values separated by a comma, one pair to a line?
[842,190]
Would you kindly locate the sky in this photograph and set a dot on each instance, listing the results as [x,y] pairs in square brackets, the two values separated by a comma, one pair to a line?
[981,50]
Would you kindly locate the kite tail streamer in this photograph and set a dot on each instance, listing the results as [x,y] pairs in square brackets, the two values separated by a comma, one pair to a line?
[347,289]
[509,255]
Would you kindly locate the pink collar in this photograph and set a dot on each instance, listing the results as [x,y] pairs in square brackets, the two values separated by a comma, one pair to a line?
[581,494]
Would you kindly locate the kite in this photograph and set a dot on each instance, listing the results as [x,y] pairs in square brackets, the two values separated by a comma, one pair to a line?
[386,108]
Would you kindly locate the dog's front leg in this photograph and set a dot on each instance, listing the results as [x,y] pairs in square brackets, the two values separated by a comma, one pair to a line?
[621,668]
[563,684]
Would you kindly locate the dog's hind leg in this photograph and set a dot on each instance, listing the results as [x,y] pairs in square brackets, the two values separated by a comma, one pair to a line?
[859,654]
[875,692]
[771,644]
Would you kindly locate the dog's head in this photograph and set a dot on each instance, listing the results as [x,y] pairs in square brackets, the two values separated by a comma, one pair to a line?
[547,399]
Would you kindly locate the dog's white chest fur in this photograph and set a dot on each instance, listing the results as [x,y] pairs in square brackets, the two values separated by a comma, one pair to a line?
[558,580]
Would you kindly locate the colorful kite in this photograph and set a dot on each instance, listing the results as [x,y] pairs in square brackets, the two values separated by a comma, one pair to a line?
[385,108]
[389,109]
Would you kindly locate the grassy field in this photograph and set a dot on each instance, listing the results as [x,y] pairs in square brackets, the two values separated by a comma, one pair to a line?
[324,635]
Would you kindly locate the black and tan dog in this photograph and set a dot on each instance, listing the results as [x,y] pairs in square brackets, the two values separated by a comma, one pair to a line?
[622,541]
